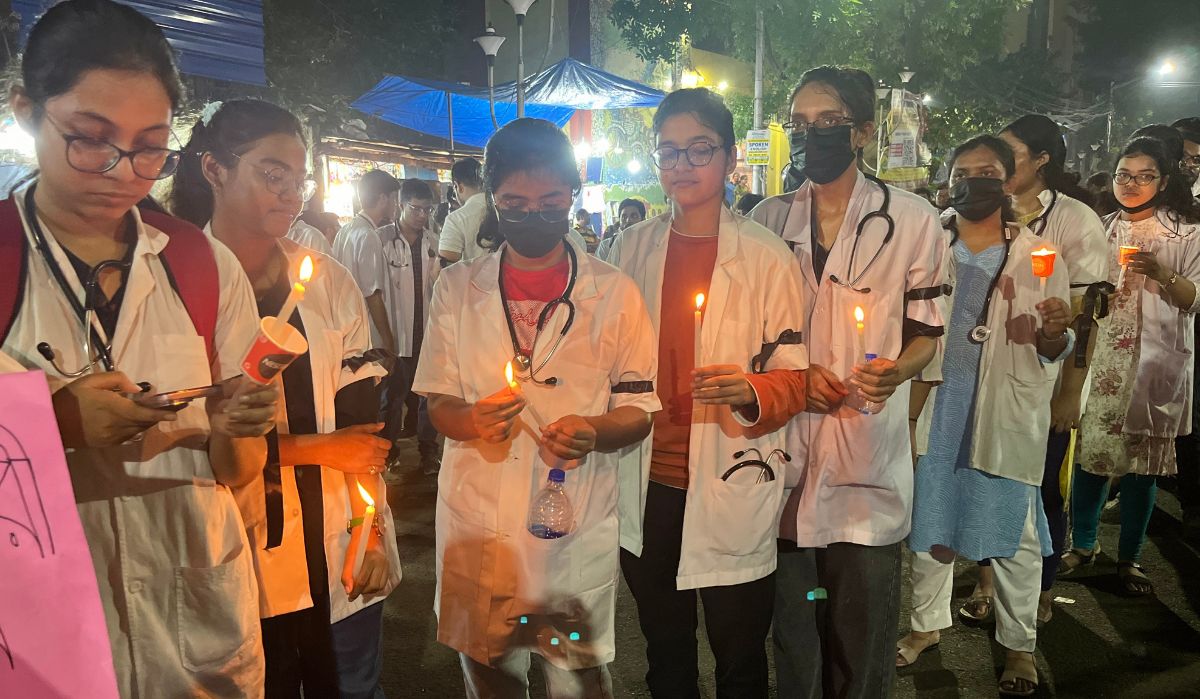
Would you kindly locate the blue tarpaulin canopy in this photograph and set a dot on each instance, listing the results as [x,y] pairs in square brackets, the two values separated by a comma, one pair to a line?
[221,39]
[430,106]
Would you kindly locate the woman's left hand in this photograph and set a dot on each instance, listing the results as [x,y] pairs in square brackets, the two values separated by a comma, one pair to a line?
[722,384]
[878,379]
[1056,317]
[249,410]
[570,438]
[1147,263]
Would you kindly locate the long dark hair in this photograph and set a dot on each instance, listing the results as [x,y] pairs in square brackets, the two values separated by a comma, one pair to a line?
[1041,135]
[76,36]
[1176,198]
[230,130]
[1003,152]
[524,145]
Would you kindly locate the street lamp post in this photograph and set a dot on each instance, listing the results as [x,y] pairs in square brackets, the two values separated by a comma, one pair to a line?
[490,43]
[521,7]
[1165,68]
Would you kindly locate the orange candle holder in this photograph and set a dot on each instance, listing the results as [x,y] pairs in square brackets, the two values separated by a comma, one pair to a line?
[1043,262]
[1127,253]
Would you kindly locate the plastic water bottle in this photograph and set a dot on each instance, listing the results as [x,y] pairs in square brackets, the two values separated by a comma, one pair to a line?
[551,515]
[857,401]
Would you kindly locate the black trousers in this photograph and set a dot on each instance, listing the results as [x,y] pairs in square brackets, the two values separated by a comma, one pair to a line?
[736,617]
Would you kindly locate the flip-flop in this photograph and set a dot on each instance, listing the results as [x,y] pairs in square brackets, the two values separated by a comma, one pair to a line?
[907,651]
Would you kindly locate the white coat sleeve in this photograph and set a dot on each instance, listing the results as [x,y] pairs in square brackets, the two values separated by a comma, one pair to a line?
[438,368]
[1085,250]
[354,326]
[453,238]
[366,262]
[1189,263]
[237,314]
[1058,286]
[783,313]
[633,375]
[927,271]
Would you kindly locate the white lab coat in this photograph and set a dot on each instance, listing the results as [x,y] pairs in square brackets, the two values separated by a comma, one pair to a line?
[309,237]
[1161,404]
[1015,384]
[399,258]
[852,474]
[461,229]
[754,297]
[491,571]
[335,323]
[175,571]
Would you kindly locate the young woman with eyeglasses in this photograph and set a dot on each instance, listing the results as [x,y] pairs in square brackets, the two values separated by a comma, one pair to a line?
[153,487]
[700,499]
[1142,370]
[244,177]
[575,332]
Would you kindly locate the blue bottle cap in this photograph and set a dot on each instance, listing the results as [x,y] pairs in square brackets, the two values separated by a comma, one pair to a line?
[870,356]
[557,475]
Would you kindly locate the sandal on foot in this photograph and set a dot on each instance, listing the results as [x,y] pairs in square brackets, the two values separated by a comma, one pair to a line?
[1075,559]
[1134,580]
[1045,610]
[908,648]
[1020,678]
[977,609]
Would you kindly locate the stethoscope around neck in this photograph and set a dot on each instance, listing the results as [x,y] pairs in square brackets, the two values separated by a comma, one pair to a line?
[525,363]
[851,282]
[86,312]
[982,332]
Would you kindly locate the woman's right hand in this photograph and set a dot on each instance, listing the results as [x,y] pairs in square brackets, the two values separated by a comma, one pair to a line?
[825,391]
[356,449]
[493,417]
[92,412]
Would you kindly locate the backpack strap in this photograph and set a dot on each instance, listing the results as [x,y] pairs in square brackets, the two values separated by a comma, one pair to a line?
[191,267]
[14,265]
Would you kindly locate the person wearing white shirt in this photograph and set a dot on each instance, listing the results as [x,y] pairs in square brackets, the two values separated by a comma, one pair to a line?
[307,236]
[360,249]
[459,238]
[412,265]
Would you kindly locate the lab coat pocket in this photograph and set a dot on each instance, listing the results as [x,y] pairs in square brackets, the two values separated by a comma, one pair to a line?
[743,516]
[1023,404]
[216,617]
[1165,389]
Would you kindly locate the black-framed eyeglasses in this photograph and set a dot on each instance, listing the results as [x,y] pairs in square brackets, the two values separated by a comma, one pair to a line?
[520,215]
[279,181]
[95,156]
[698,154]
[427,210]
[825,122]
[1142,180]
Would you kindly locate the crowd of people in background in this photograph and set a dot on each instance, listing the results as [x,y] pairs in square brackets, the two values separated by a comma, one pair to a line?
[754,408]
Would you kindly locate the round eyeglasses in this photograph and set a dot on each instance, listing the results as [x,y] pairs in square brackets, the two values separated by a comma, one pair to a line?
[95,156]
[698,154]
[280,181]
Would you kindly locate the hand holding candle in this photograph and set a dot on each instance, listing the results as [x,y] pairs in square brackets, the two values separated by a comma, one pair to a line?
[515,388]
[278,343]
[860,324]
[699,321]
[368,524]
[1125,256]
[297,294]
[1043,266]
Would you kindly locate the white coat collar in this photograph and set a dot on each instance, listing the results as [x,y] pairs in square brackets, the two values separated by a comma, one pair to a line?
[486,275]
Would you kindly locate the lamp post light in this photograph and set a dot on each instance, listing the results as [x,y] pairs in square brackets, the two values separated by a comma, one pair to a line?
[521,7]
[490,42]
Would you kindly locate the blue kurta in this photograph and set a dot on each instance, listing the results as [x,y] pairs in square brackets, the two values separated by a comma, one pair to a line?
[976,514]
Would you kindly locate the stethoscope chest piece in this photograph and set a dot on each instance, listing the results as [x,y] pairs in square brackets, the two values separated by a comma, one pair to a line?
[980,333]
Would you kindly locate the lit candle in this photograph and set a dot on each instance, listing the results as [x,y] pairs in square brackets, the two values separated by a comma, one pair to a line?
[1043,266]
[367,525]
[859,317]
[699,320]
[1126,256]
[515,388]
[294,298]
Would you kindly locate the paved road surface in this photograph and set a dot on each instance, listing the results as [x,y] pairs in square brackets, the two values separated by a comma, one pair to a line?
[1101,645]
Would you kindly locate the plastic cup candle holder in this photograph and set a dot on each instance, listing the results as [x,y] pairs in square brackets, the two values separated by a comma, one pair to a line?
[1043,266]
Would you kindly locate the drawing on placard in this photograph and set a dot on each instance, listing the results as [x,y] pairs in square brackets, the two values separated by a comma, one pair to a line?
[23,521]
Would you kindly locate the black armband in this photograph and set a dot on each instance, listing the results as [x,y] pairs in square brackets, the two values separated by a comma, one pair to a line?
[758,364]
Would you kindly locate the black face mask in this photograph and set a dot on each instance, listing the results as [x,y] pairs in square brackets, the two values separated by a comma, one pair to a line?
[1148,204]
[535,236]
[976,198]
[827,153]
[799,143]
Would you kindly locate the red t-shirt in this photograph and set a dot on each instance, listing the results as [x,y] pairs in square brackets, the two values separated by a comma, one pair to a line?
[528,292]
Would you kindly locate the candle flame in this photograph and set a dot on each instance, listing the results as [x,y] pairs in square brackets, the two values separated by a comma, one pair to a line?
[306,269]
[859,316]
[508,373]
[699,301]
[1043,251]
[365,495]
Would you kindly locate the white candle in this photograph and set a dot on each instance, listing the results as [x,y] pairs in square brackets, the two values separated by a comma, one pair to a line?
[859,318]
[367,525]
[699,321]
[515,388]
[296,296]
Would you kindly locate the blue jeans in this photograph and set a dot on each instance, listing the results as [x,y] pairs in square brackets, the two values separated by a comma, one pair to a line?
[357,643]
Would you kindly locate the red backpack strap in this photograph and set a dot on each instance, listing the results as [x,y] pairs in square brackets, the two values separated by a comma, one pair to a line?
[192,268]
[14,265]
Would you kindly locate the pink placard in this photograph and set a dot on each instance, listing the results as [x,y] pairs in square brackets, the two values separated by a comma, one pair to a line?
[53,641]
